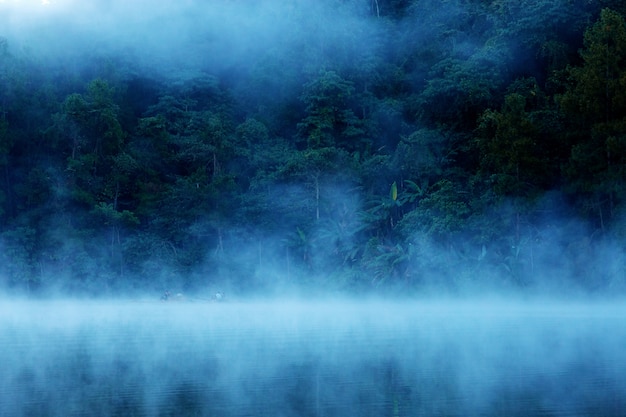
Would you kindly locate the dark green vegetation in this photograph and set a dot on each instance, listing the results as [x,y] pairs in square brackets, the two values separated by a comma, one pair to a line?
[401,145]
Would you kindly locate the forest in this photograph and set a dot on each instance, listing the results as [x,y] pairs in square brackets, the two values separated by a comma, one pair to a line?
[338,146]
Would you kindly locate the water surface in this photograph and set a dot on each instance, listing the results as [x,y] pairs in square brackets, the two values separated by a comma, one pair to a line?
[294,358]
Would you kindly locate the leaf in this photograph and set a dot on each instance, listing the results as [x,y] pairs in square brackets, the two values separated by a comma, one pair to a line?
[394,191]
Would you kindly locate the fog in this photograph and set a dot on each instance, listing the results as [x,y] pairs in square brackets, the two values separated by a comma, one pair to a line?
[163,37]
[323,358]
[240,49]
[449,342]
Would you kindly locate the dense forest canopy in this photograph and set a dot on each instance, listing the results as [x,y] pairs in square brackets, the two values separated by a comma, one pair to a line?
[406,146]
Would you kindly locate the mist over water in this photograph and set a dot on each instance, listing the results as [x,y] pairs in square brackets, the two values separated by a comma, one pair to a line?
[316,358]
[287,356]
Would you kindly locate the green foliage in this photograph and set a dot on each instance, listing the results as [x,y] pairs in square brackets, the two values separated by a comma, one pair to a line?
[425,154]
[458,91]
[510,154]
[441,215]
[597,90]
[109,216]
[418,138]
[596,101]
[330,121]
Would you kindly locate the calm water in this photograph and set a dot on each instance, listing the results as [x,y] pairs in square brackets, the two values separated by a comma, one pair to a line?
[286,358]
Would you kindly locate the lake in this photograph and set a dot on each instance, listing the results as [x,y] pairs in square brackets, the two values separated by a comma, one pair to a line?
[313,358]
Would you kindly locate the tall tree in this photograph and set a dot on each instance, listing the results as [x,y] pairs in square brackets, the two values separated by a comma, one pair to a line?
[597,91]
[330,120]
[510,157]
[595,102]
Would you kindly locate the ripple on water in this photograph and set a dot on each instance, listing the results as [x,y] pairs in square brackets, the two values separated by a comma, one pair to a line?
[312,358]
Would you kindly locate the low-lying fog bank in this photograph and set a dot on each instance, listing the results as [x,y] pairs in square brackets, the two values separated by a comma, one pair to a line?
[312,358]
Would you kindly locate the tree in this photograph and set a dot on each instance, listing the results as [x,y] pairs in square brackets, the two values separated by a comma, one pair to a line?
[425,155]
[5,147]
[510,157]
[457,92]
[317,168]
[441,215]
[20,257]
[116,220]
[330,121]
[92,123]
[595,101]
[597,91]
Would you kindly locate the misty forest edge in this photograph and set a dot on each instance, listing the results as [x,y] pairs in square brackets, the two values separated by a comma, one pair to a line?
[480,148]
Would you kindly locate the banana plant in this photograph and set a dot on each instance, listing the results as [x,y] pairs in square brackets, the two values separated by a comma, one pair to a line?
[388,210]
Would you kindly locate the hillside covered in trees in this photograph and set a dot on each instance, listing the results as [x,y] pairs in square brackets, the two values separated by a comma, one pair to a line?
[408,146]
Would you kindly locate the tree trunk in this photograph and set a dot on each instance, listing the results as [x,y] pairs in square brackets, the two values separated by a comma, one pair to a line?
[375,3]
[317,197]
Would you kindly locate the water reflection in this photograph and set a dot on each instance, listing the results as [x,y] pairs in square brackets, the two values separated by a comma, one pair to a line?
[286,358]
